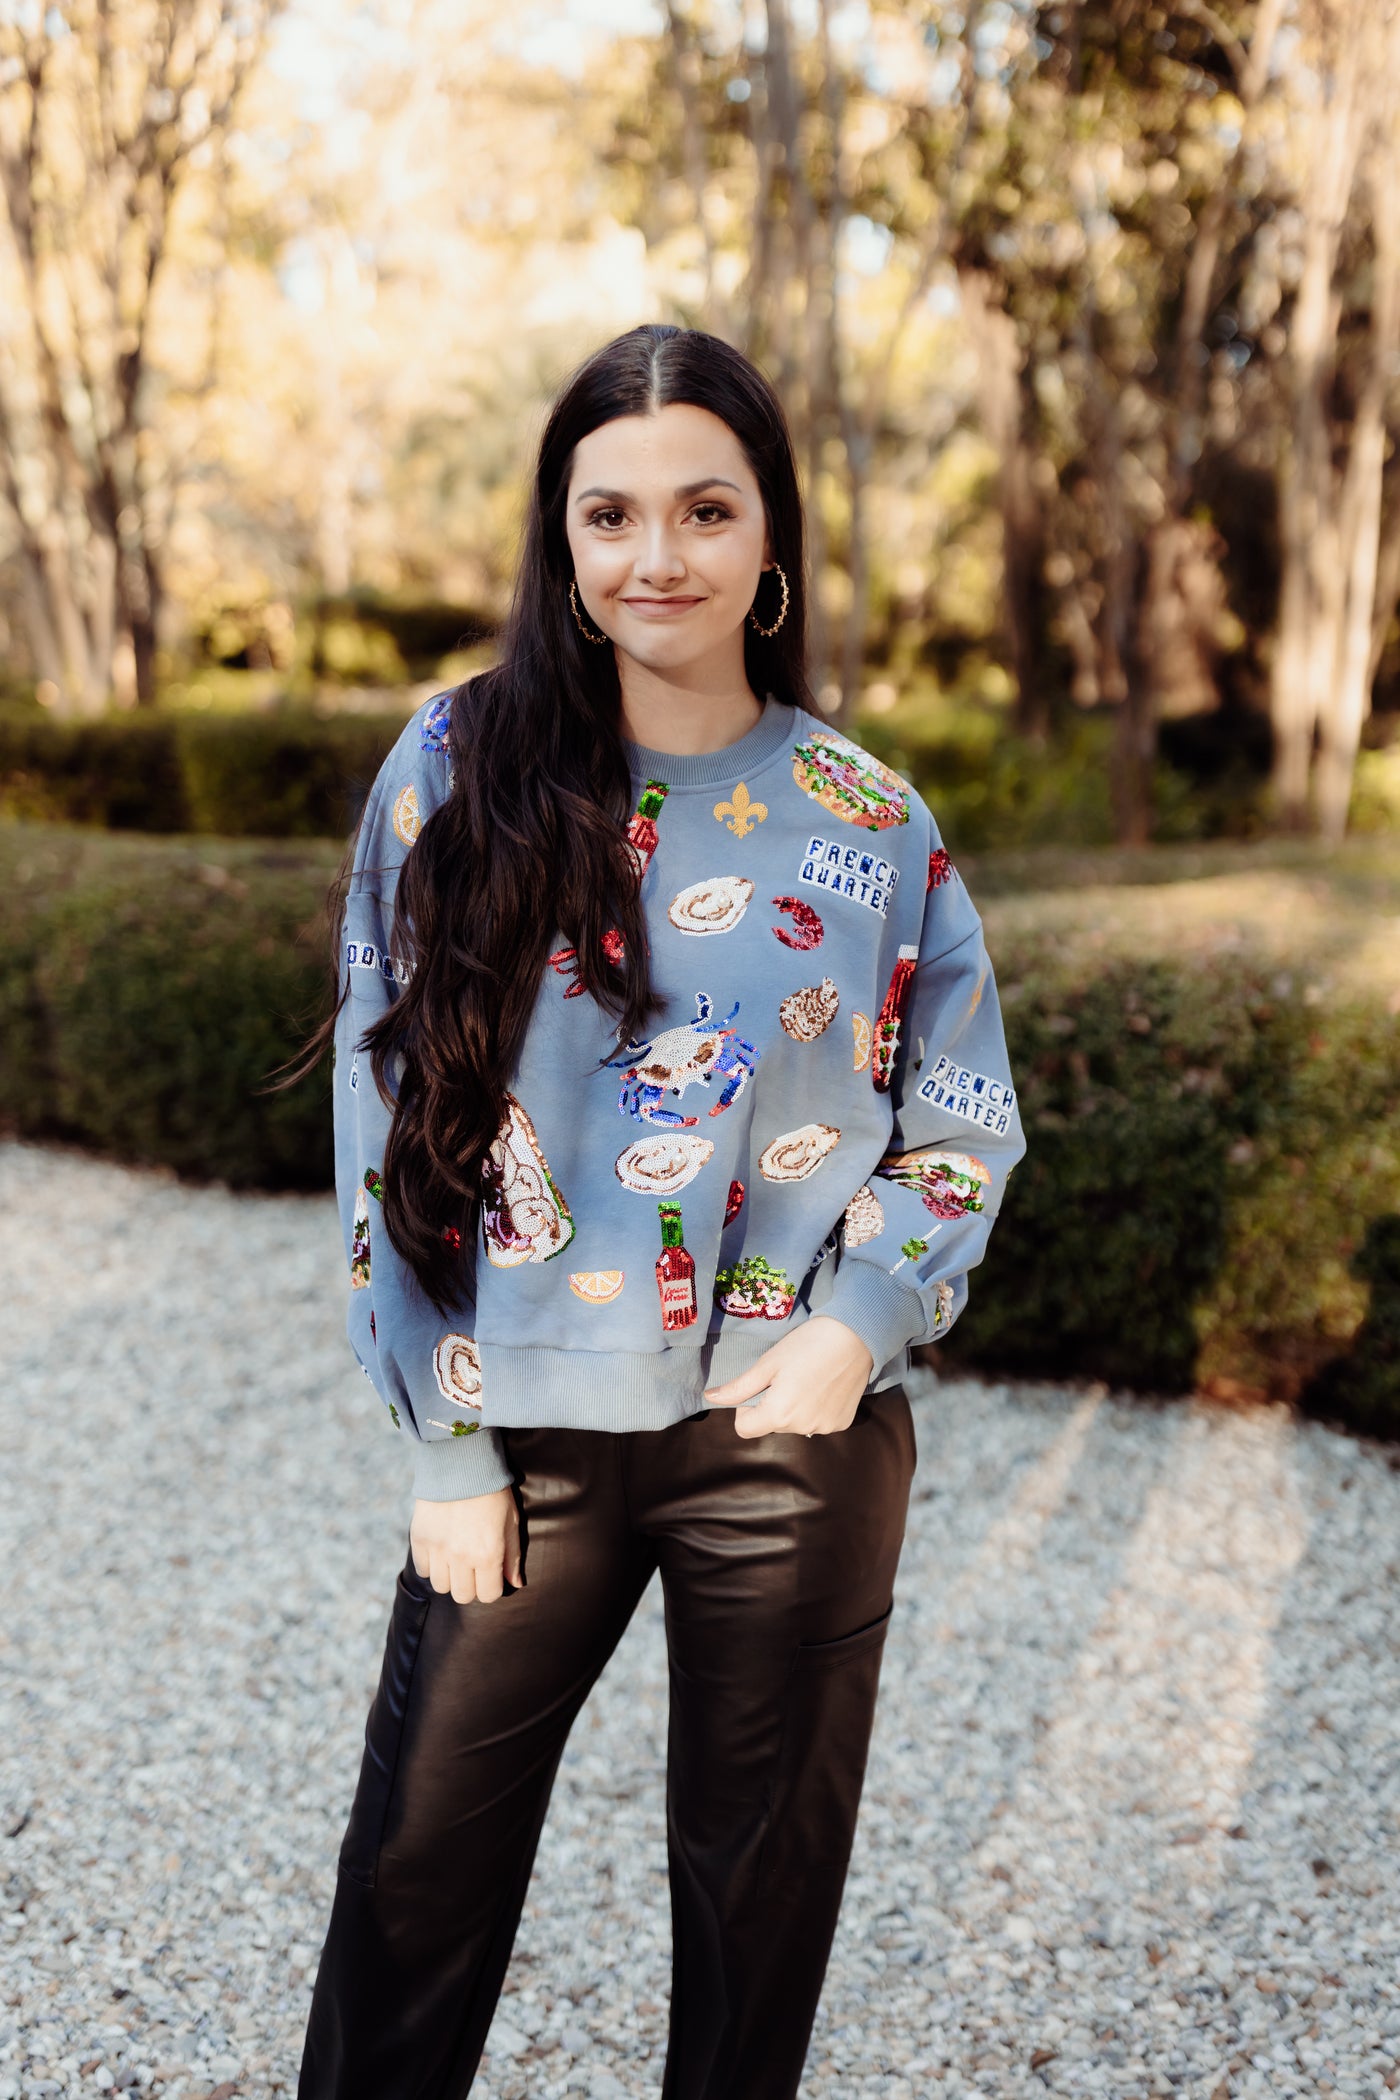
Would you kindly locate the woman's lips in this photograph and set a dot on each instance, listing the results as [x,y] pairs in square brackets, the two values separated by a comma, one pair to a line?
[660,608]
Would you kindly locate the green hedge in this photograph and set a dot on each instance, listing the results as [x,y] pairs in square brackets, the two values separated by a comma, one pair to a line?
[1208,1069]
[288,773]
[147,986]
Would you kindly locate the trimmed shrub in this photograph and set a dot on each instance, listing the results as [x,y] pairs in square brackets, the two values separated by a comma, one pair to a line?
[148,987]
[1205,1161]
[1211,1194]
[285,774]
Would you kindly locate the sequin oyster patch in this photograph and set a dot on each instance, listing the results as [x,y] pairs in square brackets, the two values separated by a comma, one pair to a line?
[864,1217]
[713,906]
[662,1164]
[809,1013]
[798,1153]
[457,1369]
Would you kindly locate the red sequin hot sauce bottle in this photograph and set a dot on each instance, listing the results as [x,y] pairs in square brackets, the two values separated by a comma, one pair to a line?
[641,830]
[890,1021]
[675,1273]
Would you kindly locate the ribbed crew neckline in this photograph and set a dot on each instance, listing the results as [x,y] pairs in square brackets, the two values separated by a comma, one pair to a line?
[770,732]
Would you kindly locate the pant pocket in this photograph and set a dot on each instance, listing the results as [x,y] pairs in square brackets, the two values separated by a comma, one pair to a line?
[364,1833]
[828,1717]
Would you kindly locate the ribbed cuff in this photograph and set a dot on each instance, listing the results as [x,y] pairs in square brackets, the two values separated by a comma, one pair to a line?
[452,1468]
[886,1314]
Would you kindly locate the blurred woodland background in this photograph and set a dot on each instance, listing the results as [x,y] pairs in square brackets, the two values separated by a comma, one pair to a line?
[1087,319]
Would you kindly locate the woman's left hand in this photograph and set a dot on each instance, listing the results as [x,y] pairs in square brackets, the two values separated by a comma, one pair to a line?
[808,1384]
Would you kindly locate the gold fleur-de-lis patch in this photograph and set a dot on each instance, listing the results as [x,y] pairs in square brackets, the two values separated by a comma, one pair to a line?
[740,815]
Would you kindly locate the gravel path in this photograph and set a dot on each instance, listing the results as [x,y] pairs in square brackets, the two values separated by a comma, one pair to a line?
[1131,1820]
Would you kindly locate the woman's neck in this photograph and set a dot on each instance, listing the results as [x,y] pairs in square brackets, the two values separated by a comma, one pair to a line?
[685,722]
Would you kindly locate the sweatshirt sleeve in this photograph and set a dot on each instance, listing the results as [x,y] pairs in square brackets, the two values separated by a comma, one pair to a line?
[910,1236]
[423,1367]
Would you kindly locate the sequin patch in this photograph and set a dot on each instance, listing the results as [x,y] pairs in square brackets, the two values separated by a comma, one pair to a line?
[407,822]
[457,1369]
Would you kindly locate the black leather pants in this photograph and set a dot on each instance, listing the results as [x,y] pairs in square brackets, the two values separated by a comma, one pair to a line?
[777,1558]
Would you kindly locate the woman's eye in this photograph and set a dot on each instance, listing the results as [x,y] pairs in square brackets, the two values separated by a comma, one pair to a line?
[599,516]
[719,510]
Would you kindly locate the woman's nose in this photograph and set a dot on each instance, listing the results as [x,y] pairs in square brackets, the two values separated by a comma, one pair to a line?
[661,560]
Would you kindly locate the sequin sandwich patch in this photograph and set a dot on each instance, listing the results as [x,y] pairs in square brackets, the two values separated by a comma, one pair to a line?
[854,786]
[849,871]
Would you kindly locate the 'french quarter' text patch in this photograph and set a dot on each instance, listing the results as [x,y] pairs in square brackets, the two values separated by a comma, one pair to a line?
[974,1096]
[849,871]
[364,955]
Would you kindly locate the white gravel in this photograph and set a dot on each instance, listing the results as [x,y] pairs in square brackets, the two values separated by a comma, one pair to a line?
[1130,1826]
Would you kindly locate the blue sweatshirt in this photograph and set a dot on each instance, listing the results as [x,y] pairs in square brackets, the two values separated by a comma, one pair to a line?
[821,1121]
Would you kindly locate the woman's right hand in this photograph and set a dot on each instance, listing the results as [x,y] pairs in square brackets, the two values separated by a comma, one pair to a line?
[468,1549]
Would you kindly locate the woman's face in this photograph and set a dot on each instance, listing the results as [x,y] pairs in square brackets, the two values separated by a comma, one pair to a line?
[666,527]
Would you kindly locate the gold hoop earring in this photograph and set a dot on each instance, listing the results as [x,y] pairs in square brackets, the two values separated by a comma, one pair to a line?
[573,602]
[782,610]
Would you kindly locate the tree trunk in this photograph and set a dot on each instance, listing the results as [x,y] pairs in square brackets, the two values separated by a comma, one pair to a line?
[1312,596]
[1001,390]
[1348,699]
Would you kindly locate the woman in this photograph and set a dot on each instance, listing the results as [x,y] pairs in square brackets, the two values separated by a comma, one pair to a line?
[671,1107]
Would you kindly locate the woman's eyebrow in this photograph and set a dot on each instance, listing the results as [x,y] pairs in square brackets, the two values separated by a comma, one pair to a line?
[692,488]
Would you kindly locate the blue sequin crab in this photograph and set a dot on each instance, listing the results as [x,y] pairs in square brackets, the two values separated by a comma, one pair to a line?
[691,1055]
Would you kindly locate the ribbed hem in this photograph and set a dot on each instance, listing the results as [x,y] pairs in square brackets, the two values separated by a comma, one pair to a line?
[452,1468]
[595,1389]
[773,729]
[886,1314]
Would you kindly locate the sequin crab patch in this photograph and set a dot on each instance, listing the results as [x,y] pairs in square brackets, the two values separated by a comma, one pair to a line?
[695,1054]
[849,871]
[359,1242]
[850,783]
[524,1215]
[950,1183]
[940,868]
[809,1013]
[752,1289]
[407,821]
[715,905]
[864,1218]
[457,1369]
[974,1096]
[432,731]
[798,1153]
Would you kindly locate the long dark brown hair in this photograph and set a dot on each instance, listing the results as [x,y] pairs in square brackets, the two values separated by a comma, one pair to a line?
[530,844]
